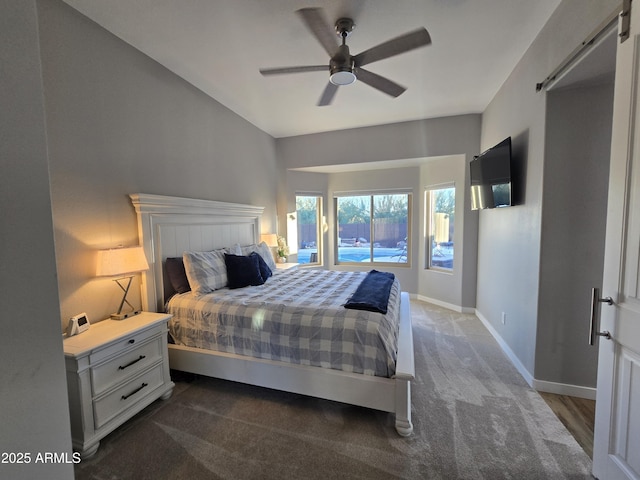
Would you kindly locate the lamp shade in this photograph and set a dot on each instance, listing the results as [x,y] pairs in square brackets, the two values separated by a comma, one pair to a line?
[271,239]
[120,261]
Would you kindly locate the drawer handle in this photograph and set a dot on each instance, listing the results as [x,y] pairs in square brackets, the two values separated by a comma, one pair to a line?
[131,363]
[124,397]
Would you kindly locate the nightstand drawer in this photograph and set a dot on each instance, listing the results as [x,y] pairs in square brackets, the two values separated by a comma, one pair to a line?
[125,366]
[108,407]
[124,343]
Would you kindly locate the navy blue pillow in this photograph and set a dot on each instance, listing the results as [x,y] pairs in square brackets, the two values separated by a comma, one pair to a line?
[242,271]
[265,271]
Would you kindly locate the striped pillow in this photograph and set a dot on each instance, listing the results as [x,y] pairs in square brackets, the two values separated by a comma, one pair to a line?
[206,271]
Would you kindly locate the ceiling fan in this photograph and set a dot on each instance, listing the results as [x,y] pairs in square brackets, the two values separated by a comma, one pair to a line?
[345,68]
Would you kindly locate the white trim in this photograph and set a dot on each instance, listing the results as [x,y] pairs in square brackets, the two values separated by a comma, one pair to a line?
[372,192]
[308,193]
[506,349]
[160,204]
[450,306]
[565,389]
[440,186]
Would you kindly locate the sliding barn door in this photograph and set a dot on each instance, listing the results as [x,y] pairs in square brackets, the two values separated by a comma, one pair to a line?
[617,431]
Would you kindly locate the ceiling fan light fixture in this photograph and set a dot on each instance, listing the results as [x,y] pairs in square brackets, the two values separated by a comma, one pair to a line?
[343,77]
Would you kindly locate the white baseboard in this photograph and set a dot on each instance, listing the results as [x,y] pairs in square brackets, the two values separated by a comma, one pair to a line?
[565,389]
[450,306]
[506,349]
[538,385]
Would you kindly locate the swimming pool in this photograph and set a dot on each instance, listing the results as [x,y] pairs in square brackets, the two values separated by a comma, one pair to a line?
[359,254]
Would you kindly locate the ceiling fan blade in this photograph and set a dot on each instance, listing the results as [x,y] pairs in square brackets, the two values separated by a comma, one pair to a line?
[404,43]
[309,68]
[316,22]
[328,94]
[376,81]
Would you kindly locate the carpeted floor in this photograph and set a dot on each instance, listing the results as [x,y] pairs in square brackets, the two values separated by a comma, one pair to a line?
[474,418]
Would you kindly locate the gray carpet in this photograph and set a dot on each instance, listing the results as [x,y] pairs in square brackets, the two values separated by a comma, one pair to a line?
[474,418]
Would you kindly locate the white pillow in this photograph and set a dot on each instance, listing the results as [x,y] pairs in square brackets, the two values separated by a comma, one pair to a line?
[206,271]
[264,251]
[248,249]
[267,255]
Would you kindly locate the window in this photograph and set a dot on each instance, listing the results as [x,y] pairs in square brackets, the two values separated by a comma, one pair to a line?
[373,228]
[309,215]
[440,210]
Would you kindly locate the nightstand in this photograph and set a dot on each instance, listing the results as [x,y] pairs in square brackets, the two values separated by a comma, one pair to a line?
[286,266]
[114,370]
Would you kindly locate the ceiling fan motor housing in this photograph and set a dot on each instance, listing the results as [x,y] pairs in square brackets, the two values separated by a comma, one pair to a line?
[341,67]
[344,27]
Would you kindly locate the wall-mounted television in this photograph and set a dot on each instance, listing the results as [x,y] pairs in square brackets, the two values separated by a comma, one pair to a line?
[491,177]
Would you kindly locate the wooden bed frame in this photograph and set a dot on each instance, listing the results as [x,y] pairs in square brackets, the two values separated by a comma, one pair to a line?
[168,226]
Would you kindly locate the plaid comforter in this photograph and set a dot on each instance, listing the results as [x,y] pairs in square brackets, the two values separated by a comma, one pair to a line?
[298,317]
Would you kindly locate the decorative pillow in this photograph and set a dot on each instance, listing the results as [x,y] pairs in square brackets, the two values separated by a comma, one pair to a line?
[174,266]
[246,250]
[206,271]
[243,271]
[235,250]
[267,255]
[265,271]
[263,250]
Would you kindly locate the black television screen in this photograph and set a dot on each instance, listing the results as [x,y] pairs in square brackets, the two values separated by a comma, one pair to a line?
[491,177]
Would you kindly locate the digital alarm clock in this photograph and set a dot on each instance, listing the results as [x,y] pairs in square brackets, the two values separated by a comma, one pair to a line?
[77,324]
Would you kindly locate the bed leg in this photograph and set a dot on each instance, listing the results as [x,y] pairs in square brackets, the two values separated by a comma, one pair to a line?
[404,427]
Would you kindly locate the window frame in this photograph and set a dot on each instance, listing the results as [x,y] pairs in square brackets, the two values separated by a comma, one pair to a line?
[319,227]
[372,194]
[429,226]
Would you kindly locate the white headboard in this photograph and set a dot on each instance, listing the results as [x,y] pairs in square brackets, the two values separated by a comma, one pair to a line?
[169,226]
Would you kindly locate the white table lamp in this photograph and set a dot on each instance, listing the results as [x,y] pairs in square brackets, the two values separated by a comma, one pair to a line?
[123,263]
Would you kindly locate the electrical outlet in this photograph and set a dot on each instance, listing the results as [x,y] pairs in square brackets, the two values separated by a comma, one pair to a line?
[504,318]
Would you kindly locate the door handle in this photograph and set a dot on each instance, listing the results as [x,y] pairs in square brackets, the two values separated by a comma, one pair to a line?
[595,301]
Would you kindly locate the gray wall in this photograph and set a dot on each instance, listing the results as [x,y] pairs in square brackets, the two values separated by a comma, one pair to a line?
[574,212]
[418,139]
[509,243]
[33,401]
[456,139]
[119,123]
[456,288]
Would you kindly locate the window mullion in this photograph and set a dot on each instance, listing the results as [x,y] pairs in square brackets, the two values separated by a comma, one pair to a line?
[371,227]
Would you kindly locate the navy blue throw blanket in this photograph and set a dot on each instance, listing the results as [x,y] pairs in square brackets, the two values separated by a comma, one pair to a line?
[373,293]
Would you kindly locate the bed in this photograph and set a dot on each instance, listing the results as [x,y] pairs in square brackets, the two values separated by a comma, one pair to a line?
[169,226]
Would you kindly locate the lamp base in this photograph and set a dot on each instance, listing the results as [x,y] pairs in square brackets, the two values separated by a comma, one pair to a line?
[122,316]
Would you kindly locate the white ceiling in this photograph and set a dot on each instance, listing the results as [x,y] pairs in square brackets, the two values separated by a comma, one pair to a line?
[219,45]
